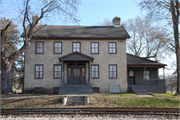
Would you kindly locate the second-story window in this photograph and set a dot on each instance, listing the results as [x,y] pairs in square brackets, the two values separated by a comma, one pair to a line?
[112,48]
[57,48]
[76,47]
[94,48]
[39,48]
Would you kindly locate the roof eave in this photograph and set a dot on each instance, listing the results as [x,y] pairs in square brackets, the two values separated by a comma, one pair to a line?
[51,37]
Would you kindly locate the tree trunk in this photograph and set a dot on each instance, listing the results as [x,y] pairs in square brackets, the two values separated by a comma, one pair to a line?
[6,86]
[175,19]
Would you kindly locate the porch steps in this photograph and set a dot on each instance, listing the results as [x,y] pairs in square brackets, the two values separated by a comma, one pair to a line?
[75,89]
[139,89]
[75,100]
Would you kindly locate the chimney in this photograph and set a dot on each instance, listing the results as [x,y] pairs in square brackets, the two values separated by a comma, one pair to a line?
[116,21]
[35,18]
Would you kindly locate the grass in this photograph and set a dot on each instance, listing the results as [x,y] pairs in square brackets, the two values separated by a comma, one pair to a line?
[119,94]
[17,90]
[169,95]
[134,102]
[95,101]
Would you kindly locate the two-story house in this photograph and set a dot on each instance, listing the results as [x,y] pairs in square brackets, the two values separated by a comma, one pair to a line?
[77,59]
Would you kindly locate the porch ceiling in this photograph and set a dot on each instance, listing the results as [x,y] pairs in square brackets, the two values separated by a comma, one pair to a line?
[76,56]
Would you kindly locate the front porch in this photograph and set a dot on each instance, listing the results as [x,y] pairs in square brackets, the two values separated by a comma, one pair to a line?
[143,75]
[76,75]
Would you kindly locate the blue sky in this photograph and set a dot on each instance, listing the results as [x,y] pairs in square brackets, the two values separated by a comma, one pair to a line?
[90,11]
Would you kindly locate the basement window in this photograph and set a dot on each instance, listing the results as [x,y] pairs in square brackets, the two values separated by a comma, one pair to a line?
[95,89]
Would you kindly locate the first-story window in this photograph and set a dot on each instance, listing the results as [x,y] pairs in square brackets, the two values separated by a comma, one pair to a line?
[39,47]
[76,47]
[146,74]
[38,71]
[57,71]
[69,72]
[113,71]
[83,72]
[95,71]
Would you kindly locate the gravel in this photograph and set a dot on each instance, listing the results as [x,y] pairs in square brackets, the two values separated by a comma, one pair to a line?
[87,117]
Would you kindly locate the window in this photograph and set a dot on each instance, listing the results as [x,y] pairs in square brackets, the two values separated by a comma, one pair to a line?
[76,47]
[56,90]
[83,72]
[69,72]
[131,73]
[39,48]
[38,90]
[57,71]
[57,48]
[94,48]
[95,71]
[38,71]
[112,48]
[95,89]
[146,75]
[112,71]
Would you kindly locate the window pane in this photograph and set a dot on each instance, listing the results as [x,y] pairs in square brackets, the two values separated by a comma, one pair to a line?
[83,72]
[93,74]
[37,74]
[74,72]
[78,72]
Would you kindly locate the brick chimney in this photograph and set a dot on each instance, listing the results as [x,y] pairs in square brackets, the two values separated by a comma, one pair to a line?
[34,18]
[116,21]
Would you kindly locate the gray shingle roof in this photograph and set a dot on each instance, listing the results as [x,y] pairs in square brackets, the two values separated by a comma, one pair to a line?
[135,60]
[82,31]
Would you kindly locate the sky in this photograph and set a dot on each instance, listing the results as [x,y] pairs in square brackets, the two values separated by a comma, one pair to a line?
[90,13]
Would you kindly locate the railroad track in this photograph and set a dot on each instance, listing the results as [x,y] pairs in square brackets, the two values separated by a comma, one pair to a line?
[93,111]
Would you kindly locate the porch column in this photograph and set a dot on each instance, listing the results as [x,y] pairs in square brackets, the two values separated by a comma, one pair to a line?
[89,72]
[145,74]
[164,73]
[62,81]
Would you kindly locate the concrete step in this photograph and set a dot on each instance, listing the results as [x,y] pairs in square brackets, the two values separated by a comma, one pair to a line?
[76,100]
[75,89]
[139,89]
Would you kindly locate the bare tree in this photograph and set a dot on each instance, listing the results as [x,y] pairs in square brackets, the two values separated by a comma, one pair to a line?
[64,8]
[147,40]
[166,10]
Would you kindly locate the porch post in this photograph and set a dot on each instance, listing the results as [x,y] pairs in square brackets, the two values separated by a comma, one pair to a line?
[164,73]
[89,72]
[62,81]
[145,74]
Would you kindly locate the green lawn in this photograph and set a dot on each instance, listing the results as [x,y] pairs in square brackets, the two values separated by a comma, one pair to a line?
[134,102]
[94,101]
[119,94]
[18,91]
[170,95]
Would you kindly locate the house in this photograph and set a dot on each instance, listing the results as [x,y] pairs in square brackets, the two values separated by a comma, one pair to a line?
[82,60]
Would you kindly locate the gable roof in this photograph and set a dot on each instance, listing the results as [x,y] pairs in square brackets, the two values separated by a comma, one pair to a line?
[76,56]
[80,32]
[133,60]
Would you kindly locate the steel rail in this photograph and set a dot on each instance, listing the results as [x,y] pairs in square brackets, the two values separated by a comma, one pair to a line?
[91,111]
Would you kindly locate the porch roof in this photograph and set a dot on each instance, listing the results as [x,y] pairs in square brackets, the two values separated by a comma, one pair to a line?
[76,56]
[133,60]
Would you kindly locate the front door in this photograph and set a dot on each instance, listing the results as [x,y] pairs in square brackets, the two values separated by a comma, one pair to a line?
[131,80]
[76,75]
